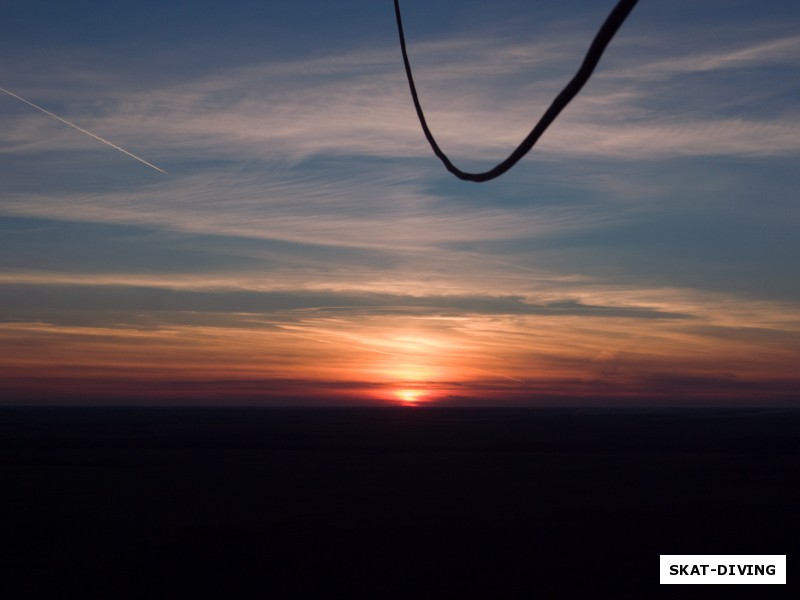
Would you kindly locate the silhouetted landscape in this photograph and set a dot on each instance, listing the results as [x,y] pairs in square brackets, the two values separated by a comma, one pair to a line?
[416,502]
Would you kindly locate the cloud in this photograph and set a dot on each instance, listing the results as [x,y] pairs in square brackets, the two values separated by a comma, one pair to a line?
[327,150]
[387,207]
[781,50]
[48,301]
[667,140]
[482,95]
[548,356]
[308,244]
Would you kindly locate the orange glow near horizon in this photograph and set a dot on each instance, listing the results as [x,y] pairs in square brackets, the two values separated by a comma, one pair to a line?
[410,396]
[405,361]
[412,367]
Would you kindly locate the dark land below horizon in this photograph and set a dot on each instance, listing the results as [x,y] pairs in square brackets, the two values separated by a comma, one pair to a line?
[395,502]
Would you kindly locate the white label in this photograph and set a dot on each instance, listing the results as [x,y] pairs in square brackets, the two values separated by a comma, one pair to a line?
[723,568]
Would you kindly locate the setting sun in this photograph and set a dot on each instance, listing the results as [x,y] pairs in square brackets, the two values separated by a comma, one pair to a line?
[410,396]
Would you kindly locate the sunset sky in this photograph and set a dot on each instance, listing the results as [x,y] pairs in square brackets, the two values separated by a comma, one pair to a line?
[306,248]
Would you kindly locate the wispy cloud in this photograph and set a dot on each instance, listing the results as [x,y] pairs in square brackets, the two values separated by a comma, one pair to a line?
[782,50]
[571,354]
[386,207]
[306,233]
[482,95]
[268,118]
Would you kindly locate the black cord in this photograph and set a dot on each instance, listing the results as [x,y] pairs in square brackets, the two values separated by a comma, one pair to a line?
[615,19]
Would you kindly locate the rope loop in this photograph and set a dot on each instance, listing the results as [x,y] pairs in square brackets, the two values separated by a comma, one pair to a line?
[604,36]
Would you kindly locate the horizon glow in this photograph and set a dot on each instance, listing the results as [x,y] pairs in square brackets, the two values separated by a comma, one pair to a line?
[307,250]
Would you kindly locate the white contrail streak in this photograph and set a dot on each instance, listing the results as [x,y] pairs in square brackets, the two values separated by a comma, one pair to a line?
[89,133]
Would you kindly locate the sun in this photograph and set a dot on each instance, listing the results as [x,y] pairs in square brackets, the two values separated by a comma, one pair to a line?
[410,396]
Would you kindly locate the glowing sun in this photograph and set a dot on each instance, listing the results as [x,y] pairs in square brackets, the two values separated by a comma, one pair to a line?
[409,396]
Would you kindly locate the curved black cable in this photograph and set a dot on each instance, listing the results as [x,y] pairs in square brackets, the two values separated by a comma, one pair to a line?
[612,23]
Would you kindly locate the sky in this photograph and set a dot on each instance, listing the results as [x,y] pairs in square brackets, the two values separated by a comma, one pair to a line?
[305,247]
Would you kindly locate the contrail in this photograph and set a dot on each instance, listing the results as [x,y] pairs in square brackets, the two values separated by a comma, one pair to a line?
[89,133]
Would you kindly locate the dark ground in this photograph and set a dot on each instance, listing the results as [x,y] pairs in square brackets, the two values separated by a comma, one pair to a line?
[414,503]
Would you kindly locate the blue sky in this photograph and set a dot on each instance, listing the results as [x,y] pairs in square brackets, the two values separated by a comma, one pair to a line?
[306,246]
